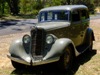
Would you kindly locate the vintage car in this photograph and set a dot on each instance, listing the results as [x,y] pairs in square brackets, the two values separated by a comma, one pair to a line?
[61,34]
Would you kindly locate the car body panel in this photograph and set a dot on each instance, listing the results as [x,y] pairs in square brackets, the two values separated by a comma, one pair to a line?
[49,26]
[18,53]
[66,7]
[17,50]
[71,33]
[65,29]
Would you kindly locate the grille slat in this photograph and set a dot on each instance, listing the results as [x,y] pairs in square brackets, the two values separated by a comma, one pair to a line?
[38,41]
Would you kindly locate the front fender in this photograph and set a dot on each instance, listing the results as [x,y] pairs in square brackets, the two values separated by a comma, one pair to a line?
[58,47]
[17,50]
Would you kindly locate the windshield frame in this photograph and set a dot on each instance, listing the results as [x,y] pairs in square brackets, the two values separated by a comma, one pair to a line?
[53,19]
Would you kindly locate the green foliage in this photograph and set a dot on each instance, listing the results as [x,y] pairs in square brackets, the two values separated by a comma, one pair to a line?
[91,8]
[4,8]
[0,9]
[35,12]
[97,2]
[56,2]
[14,6]
[2,5]
[52,3]
[33,6]
[23,6]
[30,6]
[89,3]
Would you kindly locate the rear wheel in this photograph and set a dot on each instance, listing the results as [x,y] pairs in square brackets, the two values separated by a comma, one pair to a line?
[91,44]
[66,59]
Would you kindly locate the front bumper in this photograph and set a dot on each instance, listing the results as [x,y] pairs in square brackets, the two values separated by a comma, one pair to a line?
[33,62]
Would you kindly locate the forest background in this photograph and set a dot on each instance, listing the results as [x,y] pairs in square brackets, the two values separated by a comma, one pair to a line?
[32,7]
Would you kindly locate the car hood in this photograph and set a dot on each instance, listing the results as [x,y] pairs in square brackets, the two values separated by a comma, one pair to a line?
[52,25]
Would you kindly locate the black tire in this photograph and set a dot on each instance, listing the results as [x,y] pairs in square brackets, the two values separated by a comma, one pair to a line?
[66,60]
[90,43]
[18,65]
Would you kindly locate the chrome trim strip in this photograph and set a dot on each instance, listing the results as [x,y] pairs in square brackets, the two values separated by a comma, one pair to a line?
[34,63]
[41,62]
[18,60]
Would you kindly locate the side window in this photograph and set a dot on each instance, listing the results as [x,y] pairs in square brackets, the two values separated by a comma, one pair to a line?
[84,14]
[61,15]
[42,16]
[50,16]
[75,16]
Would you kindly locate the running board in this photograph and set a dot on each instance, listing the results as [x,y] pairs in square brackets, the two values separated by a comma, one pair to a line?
[82,48]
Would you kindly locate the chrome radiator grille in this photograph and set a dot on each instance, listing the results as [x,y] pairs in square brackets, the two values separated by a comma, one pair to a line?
[38,41]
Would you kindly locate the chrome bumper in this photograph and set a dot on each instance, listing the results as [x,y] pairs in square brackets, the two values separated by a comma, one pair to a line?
[19,60]
[33,62]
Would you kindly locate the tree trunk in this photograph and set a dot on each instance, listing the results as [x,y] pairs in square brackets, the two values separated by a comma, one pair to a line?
[2,5]
[13,4]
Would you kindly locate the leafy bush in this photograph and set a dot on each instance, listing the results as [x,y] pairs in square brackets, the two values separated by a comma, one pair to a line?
[35,12]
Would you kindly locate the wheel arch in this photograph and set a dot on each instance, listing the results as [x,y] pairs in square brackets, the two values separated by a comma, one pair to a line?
[62,64]
[59,47]
[93,38]
[73,49]
[89,33]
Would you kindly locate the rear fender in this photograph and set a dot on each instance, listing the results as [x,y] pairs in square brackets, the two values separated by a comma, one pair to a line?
[89,33]
[58,48]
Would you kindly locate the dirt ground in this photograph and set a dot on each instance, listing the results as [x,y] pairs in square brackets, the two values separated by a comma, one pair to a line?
[92,67]
[5,64]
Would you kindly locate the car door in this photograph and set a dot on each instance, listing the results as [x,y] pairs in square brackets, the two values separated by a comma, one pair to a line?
[76,28]
[85,22]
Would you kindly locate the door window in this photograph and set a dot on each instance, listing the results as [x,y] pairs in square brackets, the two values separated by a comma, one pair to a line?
[84,14]
[75,16]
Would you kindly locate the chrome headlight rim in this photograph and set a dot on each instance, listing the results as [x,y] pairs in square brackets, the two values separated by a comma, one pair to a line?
[26,39]
[49,39]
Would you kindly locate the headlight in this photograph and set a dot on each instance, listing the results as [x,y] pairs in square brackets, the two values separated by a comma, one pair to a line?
[49,39]
[26,39]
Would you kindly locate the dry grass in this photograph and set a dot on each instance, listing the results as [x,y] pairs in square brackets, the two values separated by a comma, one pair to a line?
[5,65]
[87,66]
[92,67]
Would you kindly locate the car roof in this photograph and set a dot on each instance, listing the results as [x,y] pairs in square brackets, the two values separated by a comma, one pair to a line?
[64,7]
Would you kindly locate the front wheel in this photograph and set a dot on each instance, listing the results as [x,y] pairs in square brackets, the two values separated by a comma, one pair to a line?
[17,65]
[66,59]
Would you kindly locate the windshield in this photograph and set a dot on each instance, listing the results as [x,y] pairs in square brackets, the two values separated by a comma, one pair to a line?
[54,16]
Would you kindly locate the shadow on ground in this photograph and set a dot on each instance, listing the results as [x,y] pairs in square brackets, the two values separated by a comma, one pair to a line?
[52,70]
[7,23]
[4,24]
